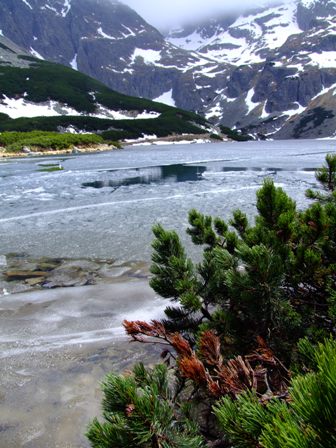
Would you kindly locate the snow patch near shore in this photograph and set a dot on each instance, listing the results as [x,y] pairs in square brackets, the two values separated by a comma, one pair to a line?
[19,107]
[179,142]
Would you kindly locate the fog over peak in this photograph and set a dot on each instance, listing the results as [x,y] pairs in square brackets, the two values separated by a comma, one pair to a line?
[165,14]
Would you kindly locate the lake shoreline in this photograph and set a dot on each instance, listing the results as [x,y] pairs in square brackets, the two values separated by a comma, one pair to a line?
[22,273]
[148,141]
[70,151]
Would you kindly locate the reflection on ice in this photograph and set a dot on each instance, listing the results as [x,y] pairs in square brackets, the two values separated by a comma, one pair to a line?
[160,174]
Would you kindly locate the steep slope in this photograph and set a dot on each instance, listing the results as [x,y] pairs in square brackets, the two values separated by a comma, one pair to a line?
[106,40]
[36,94]
[244,40]
[280,60]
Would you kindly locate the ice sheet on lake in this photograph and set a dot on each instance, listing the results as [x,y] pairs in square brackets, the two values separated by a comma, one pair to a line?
[55,214]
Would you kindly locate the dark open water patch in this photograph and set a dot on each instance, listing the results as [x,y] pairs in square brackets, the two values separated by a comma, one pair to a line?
[176,173]
[165,174]
[146,176]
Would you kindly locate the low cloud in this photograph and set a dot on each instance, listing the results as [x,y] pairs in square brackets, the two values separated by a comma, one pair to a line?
[164,14]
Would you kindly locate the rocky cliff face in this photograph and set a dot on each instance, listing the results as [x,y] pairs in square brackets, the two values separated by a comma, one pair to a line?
[262,71]
[11,54]
[278,62]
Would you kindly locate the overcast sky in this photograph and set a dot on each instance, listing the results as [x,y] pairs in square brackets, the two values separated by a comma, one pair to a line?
[164,13]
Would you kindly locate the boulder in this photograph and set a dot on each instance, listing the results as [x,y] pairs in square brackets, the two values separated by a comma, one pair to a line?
[68,276]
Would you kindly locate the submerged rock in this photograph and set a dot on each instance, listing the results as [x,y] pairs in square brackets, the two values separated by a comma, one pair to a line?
[68,276]
[22,275]
[35,281]
[48,264]
[22,272]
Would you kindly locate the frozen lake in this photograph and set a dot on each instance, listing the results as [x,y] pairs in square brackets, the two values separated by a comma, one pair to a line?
[55,346]
[104,205]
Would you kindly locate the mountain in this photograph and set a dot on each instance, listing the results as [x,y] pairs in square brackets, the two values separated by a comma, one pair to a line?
[106,40]
[270,71]
[280,67]
[36,94]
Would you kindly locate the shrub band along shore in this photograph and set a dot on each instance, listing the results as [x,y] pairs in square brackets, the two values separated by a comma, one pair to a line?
[40,143]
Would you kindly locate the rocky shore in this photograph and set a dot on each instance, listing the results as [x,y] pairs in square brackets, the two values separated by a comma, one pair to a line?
[51,152]
[21,273]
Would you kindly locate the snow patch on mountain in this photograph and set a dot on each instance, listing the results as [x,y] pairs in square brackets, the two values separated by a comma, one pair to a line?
[36,54]
[148,56]
[121,35]
[330,89]
[27,3]
[20,107]
[251,105]
[307,3]
[248,39]
[295,111]
[192,42]
[66,8]
[214,112]
[62,11]
[104,112]
[310,3]
[104,35]
[166,98]
[73,63]
[326,59]
[46,6]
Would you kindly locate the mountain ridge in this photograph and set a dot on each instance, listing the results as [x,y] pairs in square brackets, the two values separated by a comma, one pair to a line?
[260,71]
[36,94]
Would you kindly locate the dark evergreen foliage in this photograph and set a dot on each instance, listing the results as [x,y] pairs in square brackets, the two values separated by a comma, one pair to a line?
[306,420]
[261,301]
[140,411]
[39,140]
[269,280]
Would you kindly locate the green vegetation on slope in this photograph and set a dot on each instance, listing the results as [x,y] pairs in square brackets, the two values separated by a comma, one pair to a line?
[44,81]
[168,123]
[15,141]
[235,135]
